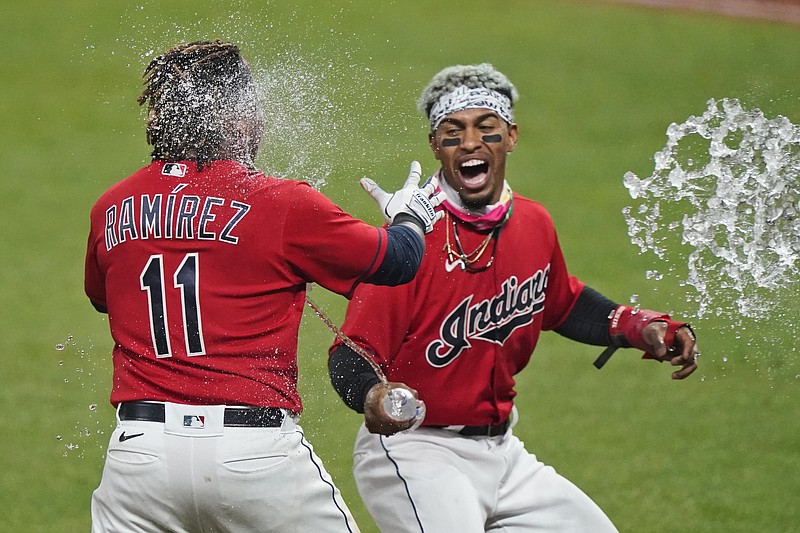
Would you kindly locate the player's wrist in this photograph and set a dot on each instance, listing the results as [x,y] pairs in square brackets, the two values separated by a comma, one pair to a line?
[410,220]
[368,387]
[627,324]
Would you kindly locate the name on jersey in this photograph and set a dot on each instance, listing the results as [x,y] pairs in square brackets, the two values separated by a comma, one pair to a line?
[173,216]
[491,320]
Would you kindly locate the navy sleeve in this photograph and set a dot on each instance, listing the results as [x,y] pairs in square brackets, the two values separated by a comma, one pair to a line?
[589,319]
[351,376]
[403,256]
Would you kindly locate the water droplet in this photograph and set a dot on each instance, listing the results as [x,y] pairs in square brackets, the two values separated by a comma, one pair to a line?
[59,437]
[92,406]
[654,275]
[60,346]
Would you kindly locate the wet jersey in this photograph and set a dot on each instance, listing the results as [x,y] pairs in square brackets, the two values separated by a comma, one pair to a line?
[459,336]
[203,275]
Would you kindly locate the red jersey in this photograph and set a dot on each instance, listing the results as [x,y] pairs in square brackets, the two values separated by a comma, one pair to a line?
[459,337]
[204,278]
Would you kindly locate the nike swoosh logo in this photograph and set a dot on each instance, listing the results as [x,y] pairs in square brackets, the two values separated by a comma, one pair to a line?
[124,437]
[450,266]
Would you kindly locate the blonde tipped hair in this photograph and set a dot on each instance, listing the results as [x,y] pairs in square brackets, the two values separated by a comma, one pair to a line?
[472,76]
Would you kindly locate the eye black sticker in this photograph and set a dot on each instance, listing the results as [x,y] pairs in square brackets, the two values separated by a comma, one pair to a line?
[454,141]
[495,138]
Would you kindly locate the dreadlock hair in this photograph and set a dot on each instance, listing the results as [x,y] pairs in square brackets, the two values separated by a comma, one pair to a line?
[472,76]
[198,95]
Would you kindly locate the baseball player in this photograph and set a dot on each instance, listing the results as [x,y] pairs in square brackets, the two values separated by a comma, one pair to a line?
[201,263]
[493,277]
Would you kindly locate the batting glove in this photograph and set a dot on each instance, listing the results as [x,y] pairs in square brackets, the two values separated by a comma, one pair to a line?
[413,200]
[629,328]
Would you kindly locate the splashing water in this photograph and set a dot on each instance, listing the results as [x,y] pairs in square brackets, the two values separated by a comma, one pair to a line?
[80,438]
[305,121]
[315,96]
[725,189]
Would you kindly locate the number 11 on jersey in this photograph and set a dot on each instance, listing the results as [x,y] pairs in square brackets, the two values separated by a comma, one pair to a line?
[186,278]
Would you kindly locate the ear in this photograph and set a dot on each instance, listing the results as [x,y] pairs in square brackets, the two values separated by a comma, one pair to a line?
[434,145]
[511,138]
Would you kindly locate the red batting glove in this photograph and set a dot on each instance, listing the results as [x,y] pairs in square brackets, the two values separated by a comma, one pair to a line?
[628,323]
[643,329]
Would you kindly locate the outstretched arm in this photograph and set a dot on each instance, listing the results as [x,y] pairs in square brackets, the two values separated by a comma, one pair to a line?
[598,321]
[404,252]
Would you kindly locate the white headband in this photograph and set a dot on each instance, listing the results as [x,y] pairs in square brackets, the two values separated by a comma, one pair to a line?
[470,98]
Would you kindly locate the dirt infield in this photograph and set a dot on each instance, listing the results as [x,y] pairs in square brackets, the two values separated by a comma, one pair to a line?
[787,11]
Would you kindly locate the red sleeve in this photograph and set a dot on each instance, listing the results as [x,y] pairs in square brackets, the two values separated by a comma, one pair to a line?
[562,291]
[94,280]
[378,319]
[327,245]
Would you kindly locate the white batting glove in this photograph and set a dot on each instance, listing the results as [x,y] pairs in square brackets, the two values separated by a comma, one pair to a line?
[419,202]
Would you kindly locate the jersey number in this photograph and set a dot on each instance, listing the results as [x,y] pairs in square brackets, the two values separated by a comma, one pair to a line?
[186,279]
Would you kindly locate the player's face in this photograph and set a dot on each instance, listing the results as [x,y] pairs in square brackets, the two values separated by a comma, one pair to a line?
[472,145]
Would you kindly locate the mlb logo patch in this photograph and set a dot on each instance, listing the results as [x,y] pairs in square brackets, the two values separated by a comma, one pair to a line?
[194,421]
[177,170]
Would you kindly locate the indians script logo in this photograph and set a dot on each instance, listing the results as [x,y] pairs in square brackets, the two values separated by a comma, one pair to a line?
[492,320]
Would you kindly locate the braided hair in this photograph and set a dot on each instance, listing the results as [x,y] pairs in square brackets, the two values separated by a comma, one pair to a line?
[202,104]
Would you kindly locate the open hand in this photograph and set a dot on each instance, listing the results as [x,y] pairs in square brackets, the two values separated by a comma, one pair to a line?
[418,202]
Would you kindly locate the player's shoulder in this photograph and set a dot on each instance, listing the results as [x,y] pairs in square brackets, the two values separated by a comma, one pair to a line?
[288,184]
[523,204]
[273,186]
[284,195]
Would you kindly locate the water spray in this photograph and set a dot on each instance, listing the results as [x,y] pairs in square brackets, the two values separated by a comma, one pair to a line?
[727,185]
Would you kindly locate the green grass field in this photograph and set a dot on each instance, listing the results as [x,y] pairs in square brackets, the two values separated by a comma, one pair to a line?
[600,83]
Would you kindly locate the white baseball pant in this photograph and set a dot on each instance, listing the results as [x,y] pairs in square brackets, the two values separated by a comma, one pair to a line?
[174,477]
[437,481]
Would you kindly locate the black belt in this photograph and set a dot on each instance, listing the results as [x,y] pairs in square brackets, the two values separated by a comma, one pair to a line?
[249,417]
[488,430]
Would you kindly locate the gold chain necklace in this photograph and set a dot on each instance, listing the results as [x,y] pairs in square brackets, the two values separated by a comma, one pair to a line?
[467,260]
